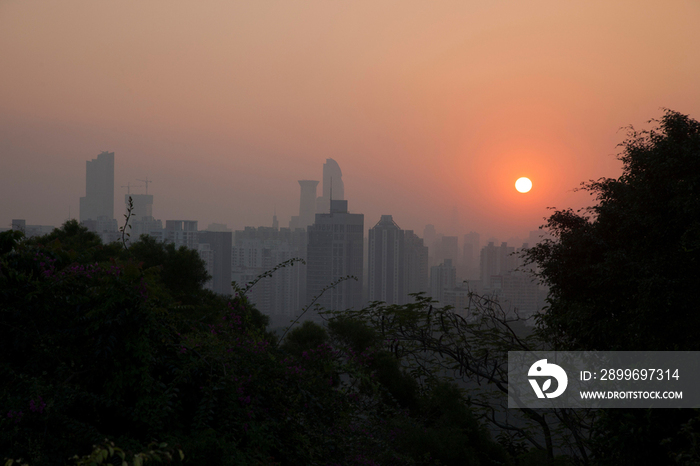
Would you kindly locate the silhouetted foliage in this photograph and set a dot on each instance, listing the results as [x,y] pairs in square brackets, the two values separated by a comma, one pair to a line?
[99,350]
[306,337]
[623,274]
[182,270]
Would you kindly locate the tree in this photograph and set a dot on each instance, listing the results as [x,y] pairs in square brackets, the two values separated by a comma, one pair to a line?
[623,274]
[182,269]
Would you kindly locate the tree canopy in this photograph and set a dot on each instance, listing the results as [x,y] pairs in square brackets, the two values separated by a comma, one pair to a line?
[96,343]
[623,273]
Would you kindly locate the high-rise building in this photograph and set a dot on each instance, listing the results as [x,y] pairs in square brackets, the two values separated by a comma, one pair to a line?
[386,262]
[180,233]
[98,202]
[220,243]
[398,263]
[335,250]
[207,255]
[496,261]
[333,187]
[470,249]
[448,249]
[31,230]
[415,262]
[307,202]
[442,277]
[258,250]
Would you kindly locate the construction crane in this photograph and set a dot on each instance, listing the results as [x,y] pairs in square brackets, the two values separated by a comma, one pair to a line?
[128,187]
[146,181]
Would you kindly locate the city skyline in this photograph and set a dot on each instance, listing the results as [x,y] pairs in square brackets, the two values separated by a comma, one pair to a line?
[432,111]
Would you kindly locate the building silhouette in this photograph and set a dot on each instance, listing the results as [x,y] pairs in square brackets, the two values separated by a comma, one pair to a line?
[219,244]
[496,260]
[442,277]
[448,249]
[397,263]
[142,221]
[98,202]
[416,271]
[503,279]
[97,206]
[307,203]
[179,232]
[335,250]
[386,262]
[258,250]
[333,187]
[31,230]
[470,249]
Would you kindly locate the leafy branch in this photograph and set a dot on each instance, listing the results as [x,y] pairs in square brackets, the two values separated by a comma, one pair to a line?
[268,273]
[127,216]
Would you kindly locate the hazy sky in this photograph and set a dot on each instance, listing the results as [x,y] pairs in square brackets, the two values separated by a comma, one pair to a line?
[428,106]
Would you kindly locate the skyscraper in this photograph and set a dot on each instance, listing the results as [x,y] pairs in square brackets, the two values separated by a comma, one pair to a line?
[415,264]
[258,250]
[335,250]
[442,277]
[98,202]
[333,187]
[398,263]
[307,202]
[386,262]
[180,233]
[220,244]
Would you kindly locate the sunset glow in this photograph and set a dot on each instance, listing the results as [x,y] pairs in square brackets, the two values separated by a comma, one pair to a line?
[427,106]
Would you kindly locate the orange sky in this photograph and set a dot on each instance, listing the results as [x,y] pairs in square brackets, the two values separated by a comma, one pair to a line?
[427,106]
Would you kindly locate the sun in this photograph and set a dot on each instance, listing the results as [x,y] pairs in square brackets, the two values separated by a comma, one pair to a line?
[523,185]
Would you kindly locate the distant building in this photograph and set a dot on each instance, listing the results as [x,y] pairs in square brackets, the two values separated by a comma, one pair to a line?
[470,251]
[142,205]
[335,250]
[416,271]
[31,230]
[220,245]
[141,220]
[448,249]
[503,279]
[258,250]
[98,202]
[459,298]
[218,227]
[145,226]
[97,206]
[207,255]
[333,187]
[397,263]
[106,228]
[386,262]
[442,277]
[497,261]
[180,233]
[307,202]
